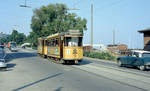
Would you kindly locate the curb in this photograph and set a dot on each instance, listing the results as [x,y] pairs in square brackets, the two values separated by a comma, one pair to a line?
[102,60]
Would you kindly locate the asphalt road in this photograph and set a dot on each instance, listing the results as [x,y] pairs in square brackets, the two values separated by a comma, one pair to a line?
[28,72]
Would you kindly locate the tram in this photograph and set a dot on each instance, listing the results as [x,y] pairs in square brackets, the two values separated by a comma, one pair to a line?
[64,47]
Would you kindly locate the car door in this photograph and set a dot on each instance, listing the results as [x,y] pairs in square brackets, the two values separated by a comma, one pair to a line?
[131,60]
[139,61]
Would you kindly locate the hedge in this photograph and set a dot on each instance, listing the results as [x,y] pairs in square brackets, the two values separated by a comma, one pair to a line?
[100,55]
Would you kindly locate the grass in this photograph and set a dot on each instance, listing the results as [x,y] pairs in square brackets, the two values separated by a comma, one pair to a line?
[100,55]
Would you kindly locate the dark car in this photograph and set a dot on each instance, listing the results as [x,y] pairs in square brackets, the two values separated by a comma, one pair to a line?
[142,63]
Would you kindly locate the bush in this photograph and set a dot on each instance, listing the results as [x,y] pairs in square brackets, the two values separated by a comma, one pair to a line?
[100,55]
[33,47]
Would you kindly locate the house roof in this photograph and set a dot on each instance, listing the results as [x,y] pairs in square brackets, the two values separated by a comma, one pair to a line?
[145,30]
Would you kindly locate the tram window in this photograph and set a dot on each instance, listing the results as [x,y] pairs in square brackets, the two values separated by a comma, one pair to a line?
[45,42]
[56,42]
[49,43]
[53,42]
[73,41]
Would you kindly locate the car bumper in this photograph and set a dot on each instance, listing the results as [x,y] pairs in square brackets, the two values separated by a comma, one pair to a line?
[3,65]
[147,66]
[14,50]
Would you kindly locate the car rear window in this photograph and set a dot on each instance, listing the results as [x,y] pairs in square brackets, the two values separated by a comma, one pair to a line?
[146,54]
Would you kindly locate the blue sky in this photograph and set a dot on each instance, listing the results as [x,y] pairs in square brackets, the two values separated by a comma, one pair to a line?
[126,17]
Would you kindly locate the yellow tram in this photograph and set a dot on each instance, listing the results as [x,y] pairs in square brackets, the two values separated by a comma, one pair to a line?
[65,47]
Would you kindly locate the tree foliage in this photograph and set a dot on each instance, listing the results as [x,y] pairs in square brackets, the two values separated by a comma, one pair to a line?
[17,37]
[4,40]
[52,19]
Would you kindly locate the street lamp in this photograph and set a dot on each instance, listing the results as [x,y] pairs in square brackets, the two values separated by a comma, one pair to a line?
[25,5]
[73,9]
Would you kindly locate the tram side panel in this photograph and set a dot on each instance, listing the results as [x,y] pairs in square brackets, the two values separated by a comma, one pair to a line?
[40,46]
[45,47]
[53,48]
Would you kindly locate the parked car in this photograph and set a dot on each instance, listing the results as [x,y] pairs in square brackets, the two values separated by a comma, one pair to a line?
[13,48]
[139,59]
[3,64]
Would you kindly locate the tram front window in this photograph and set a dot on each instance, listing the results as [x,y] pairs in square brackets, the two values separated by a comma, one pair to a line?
[73,41]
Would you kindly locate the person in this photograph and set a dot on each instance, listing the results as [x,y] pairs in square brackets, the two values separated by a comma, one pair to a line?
[72,43]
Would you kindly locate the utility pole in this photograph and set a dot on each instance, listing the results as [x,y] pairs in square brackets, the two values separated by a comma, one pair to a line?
[113,37]
[91,25]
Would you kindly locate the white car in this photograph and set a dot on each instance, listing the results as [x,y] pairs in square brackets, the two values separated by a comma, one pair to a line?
[3,64]
[139,53]
[14,49]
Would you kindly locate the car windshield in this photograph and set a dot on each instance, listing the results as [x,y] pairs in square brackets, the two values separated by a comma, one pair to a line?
[73,41]
[2,61]
[13,44]
[146,54]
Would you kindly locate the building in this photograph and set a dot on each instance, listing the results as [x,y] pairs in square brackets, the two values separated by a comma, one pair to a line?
[120,48]
[112,48]
[146,33]
[3,35]
[99,47]
[87,48]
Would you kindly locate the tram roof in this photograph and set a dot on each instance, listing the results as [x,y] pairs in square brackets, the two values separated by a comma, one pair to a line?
[69,32]
[42,38]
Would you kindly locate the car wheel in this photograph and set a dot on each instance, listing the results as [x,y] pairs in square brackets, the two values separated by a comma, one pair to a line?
[142,67]
[3,69]
[120,64]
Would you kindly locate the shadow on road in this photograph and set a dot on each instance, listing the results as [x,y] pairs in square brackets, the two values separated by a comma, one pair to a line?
[132,68]
[58,89]
[15,55]
[84,62]
[11,65]
[33,83]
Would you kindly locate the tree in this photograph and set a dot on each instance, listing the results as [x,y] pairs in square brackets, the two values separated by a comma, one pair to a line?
[14,35]
[32,38]
[52,19]
[17,37]
[5,39]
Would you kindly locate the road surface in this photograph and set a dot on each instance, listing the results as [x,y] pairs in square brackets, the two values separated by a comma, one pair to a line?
[28,72]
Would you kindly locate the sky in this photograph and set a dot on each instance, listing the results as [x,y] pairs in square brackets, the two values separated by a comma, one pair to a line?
[125,17]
